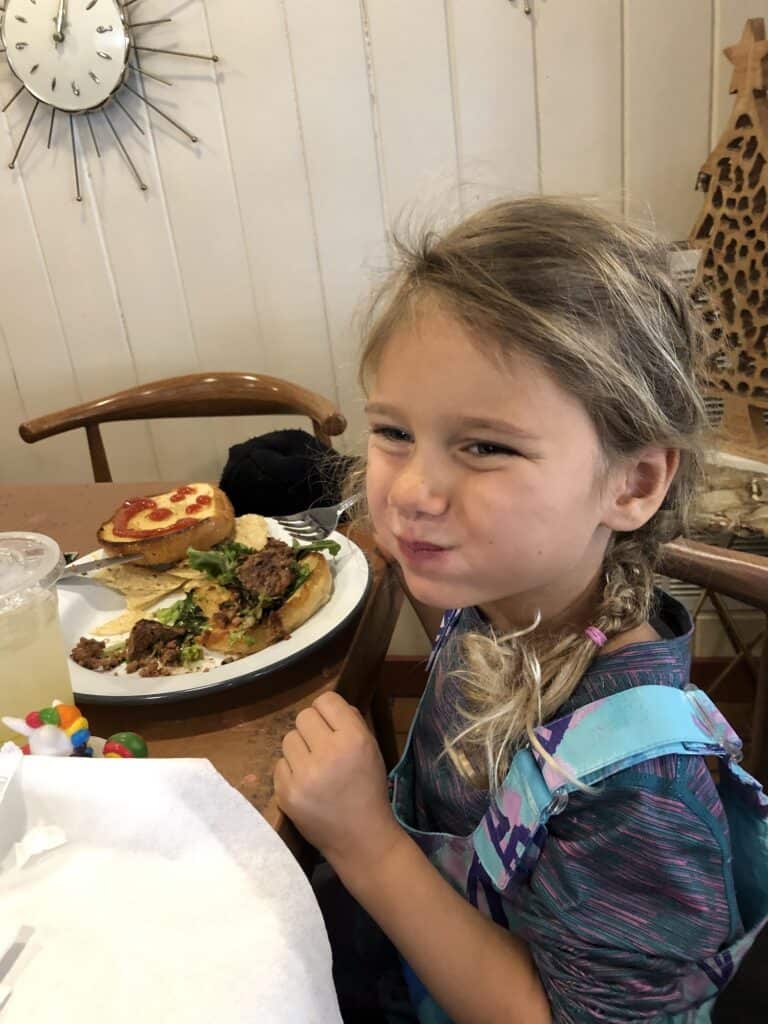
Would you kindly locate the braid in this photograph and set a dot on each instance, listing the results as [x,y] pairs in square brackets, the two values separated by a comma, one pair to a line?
[629,576]
[526,678]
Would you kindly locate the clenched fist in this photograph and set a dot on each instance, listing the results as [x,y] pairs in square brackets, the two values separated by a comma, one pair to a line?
[332,783]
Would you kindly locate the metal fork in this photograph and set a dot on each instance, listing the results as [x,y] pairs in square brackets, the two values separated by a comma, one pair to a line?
[316,523]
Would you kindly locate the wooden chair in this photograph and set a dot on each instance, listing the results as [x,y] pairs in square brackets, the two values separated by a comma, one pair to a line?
[744,577]
[196,394]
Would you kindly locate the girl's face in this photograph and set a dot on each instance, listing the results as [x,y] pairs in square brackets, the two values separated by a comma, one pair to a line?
[483,479]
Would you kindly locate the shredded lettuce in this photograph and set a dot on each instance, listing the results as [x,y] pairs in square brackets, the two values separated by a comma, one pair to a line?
[186,614]
[191,651]
[238,634]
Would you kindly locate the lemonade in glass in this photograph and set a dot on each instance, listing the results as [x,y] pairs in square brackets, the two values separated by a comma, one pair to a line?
[33,661]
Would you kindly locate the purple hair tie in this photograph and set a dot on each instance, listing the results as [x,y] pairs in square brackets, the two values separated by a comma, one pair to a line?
[597,636]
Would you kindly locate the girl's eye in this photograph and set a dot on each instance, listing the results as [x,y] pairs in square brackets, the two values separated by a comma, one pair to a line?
[483,449]
[391,433]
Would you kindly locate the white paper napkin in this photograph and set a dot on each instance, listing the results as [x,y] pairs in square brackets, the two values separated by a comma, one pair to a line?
[170,900]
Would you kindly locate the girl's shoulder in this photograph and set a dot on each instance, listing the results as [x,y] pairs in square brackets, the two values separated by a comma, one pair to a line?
[644,633]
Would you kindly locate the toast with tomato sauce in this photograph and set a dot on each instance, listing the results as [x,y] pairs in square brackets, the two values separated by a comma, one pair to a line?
[161,527]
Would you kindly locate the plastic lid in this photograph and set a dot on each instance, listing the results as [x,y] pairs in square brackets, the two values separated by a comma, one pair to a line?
[28,560]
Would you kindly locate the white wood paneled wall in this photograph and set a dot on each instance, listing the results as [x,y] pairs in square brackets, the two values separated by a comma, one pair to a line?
[323,125]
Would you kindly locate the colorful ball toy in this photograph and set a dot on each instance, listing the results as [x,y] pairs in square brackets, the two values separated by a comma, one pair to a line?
[62,731]
[125,744]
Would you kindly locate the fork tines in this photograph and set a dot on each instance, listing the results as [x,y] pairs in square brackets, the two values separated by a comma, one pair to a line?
[303,532]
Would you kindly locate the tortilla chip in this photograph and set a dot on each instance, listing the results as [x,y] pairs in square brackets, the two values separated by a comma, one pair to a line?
[124,623]
[251,530]
[138,602]
[140,587]
[210,596]
[183,571]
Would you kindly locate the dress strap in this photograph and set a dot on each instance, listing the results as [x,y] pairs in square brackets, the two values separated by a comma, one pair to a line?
[587,746]
[447,624]
[629,727]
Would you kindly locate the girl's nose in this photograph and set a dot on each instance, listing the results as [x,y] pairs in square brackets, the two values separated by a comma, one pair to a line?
[416,491]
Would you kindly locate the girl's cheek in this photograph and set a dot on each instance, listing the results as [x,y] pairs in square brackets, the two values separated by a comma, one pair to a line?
[376,486]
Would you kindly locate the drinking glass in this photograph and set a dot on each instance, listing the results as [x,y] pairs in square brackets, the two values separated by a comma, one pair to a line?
[34,668]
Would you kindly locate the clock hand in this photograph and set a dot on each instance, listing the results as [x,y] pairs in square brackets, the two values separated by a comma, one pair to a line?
[58,35]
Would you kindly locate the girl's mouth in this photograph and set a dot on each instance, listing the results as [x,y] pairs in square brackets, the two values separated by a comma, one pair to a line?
[420,551]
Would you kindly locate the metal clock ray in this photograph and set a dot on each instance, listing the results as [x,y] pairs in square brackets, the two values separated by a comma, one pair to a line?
[76,57]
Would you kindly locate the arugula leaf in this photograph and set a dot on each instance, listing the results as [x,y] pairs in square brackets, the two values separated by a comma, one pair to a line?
[221,562]
[331,546]
[186,614]
[301,573]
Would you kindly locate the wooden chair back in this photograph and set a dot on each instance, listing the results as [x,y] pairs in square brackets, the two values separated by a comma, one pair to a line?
[196,394]
[743,577]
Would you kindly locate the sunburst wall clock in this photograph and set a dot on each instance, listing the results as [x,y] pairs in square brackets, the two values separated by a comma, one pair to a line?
[77,57]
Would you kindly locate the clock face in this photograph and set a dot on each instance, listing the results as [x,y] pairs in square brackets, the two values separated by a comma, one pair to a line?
[70,54]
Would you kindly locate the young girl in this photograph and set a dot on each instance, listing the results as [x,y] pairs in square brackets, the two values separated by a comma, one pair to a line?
[535,432]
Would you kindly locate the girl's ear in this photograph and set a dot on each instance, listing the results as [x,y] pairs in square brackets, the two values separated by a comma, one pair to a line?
[638,488]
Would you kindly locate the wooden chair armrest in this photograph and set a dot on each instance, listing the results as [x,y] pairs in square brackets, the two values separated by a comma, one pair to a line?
[210,394]
[736,574]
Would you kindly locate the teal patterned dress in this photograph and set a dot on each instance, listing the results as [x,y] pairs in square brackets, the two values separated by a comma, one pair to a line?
[628,898]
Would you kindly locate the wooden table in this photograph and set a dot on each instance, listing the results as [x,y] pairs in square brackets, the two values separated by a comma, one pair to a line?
[239,730]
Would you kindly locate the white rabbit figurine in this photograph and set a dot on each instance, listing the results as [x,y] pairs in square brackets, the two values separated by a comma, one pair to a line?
[68,733]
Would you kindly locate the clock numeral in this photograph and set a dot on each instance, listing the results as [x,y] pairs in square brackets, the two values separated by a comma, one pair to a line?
[104,28]
[75,90]
[104,56]
[53,85]
[90,5]
[19,18]
[94,77]
[33,69]
[21,46]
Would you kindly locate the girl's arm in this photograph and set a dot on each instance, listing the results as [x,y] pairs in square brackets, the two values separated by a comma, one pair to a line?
[332,783]
[477,971]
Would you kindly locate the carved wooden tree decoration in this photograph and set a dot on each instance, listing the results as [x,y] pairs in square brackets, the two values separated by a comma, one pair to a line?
[732,232]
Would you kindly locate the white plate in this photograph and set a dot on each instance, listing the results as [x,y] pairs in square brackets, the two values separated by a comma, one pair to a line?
[85,604]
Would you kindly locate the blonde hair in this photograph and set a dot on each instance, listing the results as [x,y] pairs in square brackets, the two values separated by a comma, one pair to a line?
[592,300]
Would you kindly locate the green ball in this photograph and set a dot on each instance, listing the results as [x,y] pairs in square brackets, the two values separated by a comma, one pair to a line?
[50,716]
[131,741]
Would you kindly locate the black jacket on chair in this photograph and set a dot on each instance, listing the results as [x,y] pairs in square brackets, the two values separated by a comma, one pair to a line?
[283,472]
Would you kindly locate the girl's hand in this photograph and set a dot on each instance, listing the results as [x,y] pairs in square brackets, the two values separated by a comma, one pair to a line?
[332,783]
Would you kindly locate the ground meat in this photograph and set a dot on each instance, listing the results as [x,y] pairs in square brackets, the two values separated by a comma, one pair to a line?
[91,654]
[157,664]
[269,571]
[147,636]
[154,667]
[227,614]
